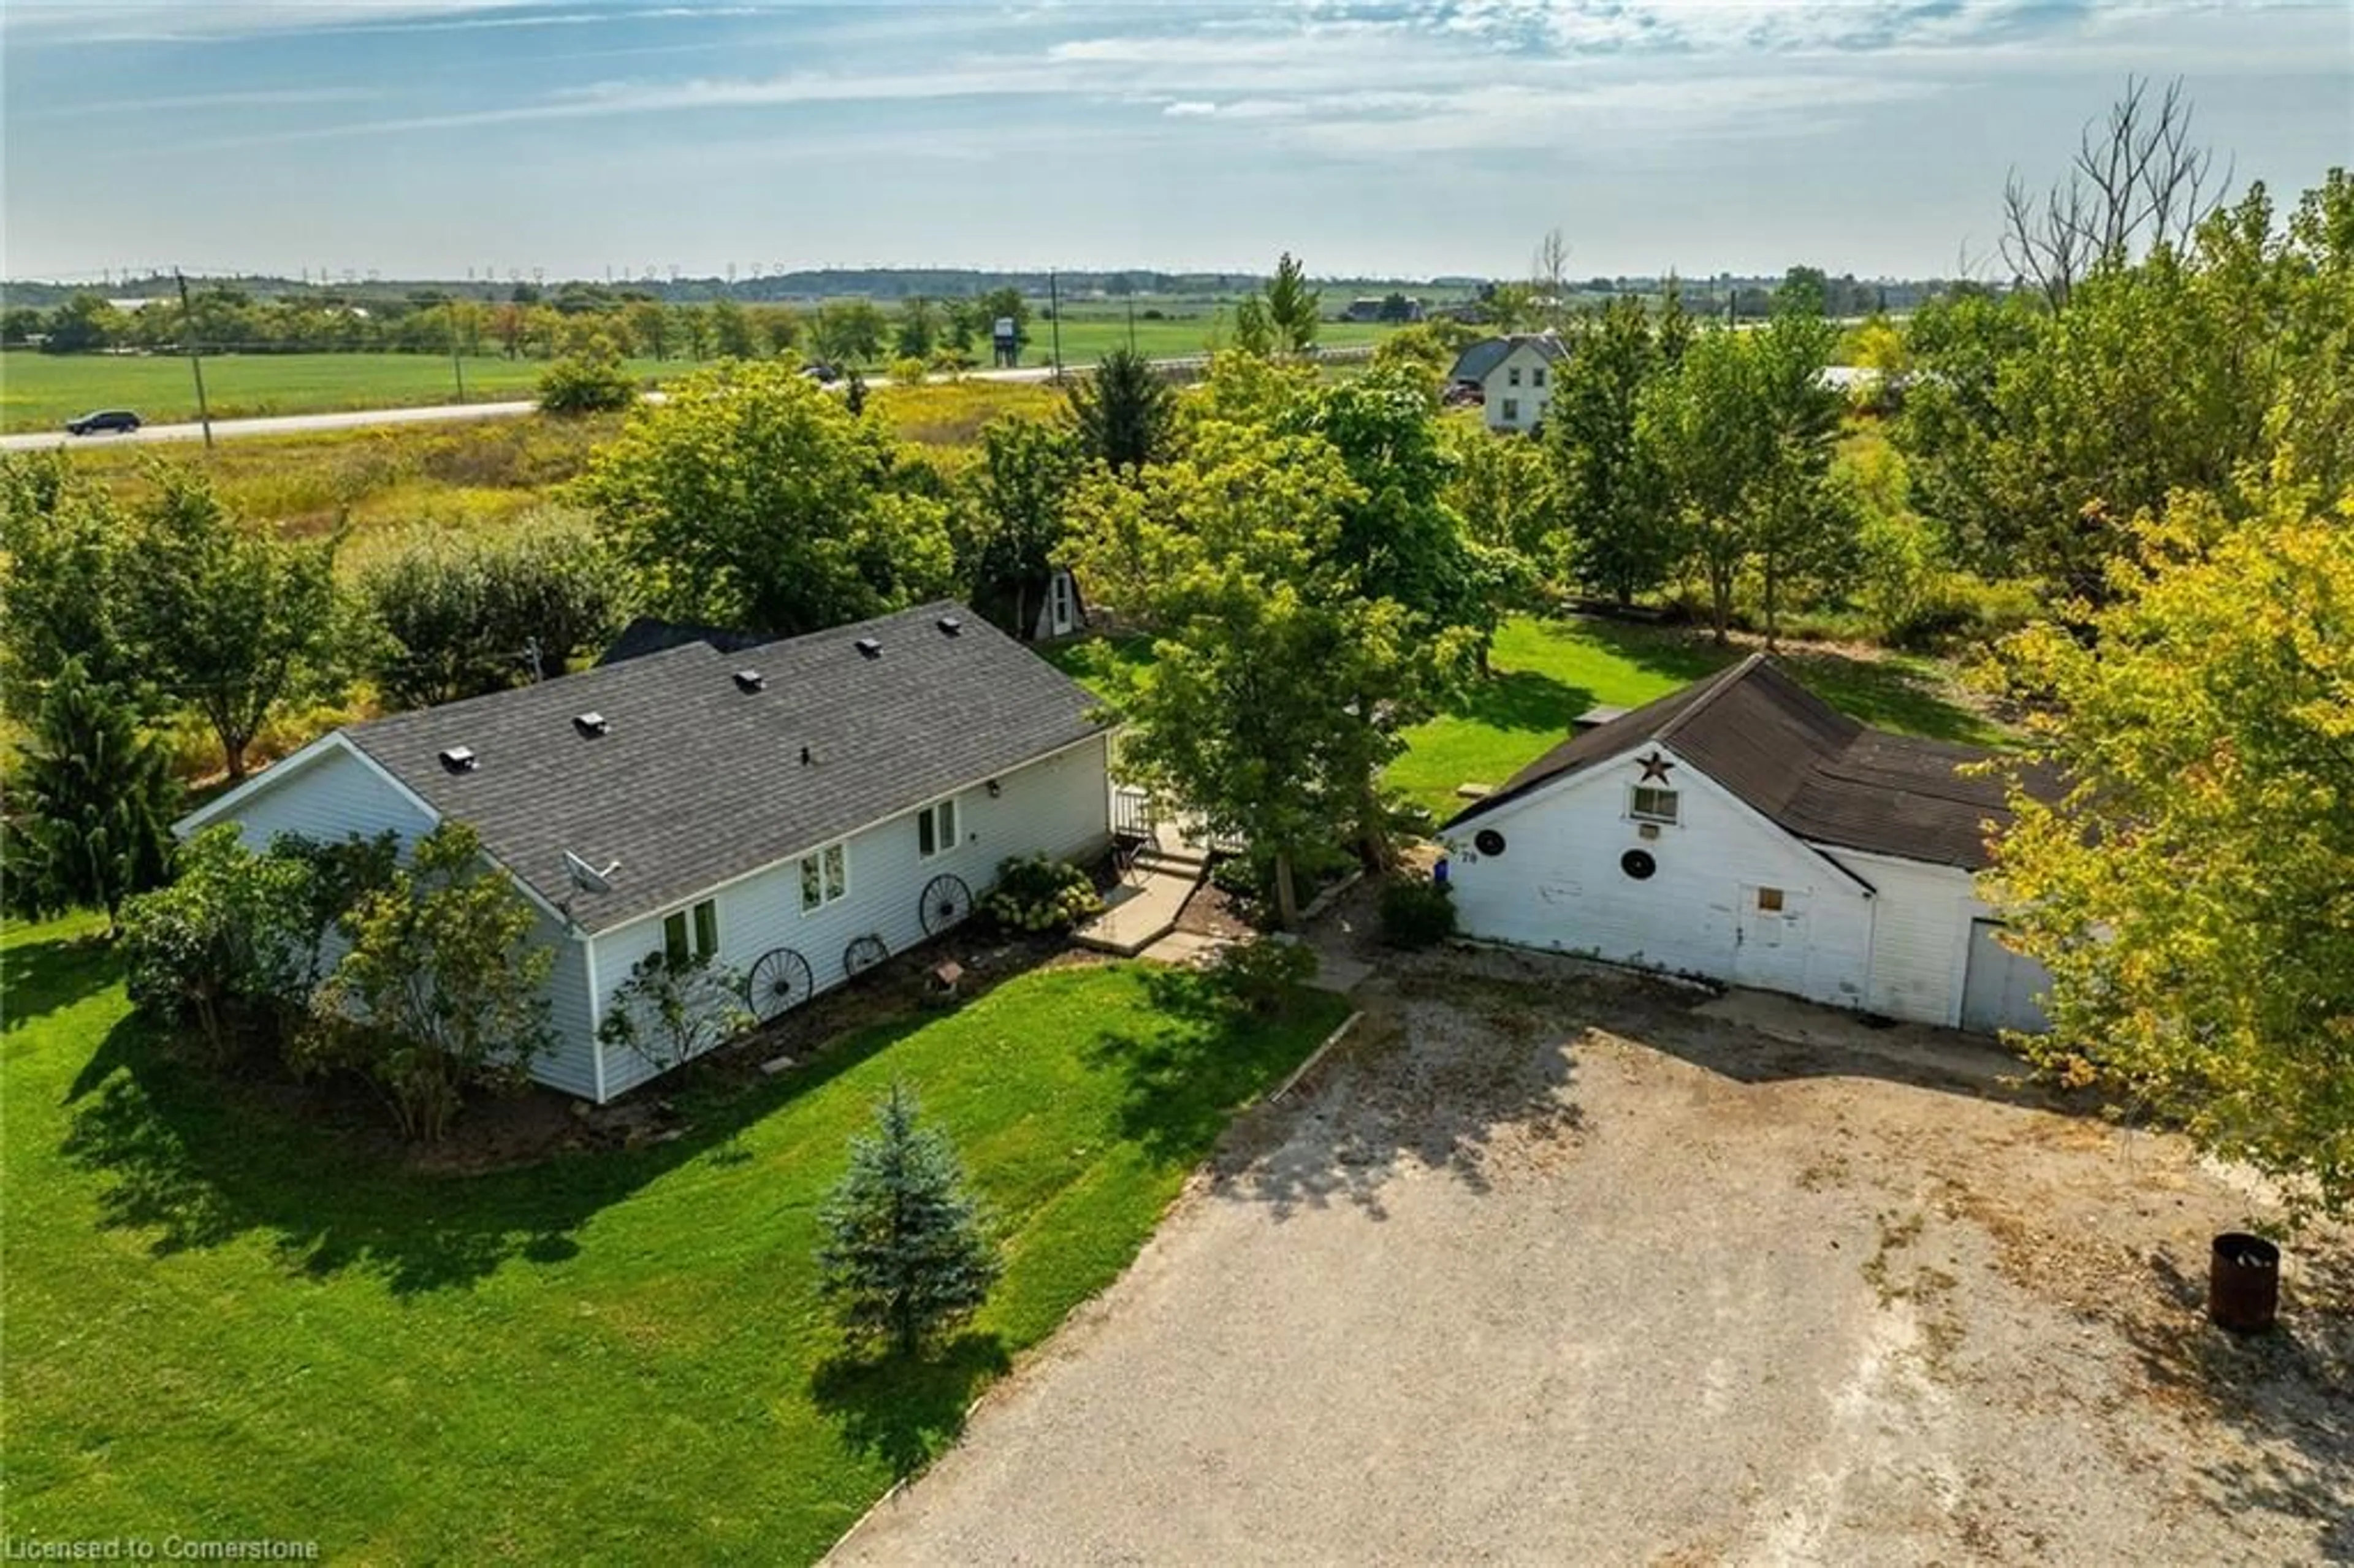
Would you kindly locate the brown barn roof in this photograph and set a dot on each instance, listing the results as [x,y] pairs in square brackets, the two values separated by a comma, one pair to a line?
[1800,762]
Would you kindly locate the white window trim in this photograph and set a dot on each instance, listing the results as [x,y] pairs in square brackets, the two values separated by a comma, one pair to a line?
[824,901]
[687,911]
[942,843]
[1635,814]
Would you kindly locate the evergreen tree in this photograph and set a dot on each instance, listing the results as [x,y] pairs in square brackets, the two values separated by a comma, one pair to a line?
[906,1252]
[96,802]
[1123,411]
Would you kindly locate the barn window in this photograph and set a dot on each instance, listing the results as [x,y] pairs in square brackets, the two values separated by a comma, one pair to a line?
[1770,900]
[692,934]
[1646,803]
[825,877]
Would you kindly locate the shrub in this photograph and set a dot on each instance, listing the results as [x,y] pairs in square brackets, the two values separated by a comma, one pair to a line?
[1035,894]
[908,371]
[441,990]
[1416,911]
[672,1008]
[1264,977]
[593,382]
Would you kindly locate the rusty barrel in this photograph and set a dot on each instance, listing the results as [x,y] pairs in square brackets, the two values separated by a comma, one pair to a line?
[2243,1283]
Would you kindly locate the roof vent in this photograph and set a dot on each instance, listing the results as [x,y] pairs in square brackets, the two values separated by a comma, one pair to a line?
[949,625]
[872,649]
[809,758]
[751,680]
[591,723]
[460,759]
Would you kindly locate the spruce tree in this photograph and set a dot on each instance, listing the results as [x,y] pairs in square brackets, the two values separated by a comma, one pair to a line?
[907,1251]
[1124,411]
[94,802]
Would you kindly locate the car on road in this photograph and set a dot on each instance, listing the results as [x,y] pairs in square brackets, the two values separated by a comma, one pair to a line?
[90,424]
[822,373]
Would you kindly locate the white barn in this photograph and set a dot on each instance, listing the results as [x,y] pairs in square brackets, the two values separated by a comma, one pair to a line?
[793,806]
[1743,830]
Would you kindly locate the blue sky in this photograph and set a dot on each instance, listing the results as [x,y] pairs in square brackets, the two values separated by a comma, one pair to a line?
[420,137]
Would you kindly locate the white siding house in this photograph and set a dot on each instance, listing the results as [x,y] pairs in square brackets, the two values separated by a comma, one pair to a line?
[1741,831]
[1518,389]
[910,754]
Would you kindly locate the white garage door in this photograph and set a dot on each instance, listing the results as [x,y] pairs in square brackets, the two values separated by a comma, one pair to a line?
[2003,989]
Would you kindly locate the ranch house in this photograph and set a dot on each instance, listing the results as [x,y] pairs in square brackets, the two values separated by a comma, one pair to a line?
[801,808]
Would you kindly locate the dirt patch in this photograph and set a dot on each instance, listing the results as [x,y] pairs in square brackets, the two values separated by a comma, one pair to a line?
[1548,1265]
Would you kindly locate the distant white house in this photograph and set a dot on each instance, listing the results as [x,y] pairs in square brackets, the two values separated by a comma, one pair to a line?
[1515,375]
[1743,830]
[799,809]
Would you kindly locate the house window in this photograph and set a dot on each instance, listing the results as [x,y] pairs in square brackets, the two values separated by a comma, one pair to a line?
[1770,900]
[825,877]
[936,828]
[1511,409]
[1648,803]
[1513,376]
[691,933]
[1536,376]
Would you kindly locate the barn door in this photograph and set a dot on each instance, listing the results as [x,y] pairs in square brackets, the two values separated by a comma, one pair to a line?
[2001,989]
[1770,938]
[1063,611]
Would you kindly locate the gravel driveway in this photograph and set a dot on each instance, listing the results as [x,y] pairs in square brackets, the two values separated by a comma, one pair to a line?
[1553,1267]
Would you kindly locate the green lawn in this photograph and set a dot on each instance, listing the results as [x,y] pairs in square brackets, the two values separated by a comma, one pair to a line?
[224,1322]
[41,392]
[1545,673]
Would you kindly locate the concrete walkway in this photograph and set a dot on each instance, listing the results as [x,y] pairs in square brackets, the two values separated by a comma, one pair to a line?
[1145,906]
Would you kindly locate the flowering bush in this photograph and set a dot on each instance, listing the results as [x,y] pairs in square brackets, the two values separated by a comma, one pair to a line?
[1035,894]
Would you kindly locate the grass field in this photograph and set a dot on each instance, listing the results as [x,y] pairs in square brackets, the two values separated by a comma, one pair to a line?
[1547,672]
[223,1321]
[41,392]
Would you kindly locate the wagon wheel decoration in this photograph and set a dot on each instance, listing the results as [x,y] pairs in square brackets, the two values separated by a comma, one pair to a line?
[863,954]
[946,900]
[779,980]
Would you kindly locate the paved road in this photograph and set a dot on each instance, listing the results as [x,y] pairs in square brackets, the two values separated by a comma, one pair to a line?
[299,424]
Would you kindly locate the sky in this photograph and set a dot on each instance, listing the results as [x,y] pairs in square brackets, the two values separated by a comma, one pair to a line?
[1412,138]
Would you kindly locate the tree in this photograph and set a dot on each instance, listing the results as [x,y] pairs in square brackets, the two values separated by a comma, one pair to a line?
[754,498]
[1549,284]
[1802,526]
[442,990]
[1263,643]
[1503,492]
[673,1007]
[1699,427]
[918,331]
[1014,504]
[907,1251]
[83,324]
[592,382]
[649,324]
[1123,412]
[849,331]
[94,802]
[62,563]
[731,331]
[2191,887]
[234,619]
[1291,306]
[1254,328]
[2135,183]
[1806,291]
[1615,520]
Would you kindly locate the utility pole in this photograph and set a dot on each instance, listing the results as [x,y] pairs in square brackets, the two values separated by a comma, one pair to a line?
[457,363]
[195,359]
[1054,317]
[1131,323]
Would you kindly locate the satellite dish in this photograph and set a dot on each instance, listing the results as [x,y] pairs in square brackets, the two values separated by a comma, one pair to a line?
[587,877]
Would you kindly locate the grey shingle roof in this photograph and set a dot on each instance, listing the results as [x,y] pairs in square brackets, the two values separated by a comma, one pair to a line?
[1475,361]
[1803,763]
[649,634]
[698,781]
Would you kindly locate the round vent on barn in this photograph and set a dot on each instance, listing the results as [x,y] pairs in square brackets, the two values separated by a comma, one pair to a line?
[1487,841]
[1637,864]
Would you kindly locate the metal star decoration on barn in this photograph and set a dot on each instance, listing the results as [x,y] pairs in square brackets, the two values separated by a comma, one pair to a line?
[1655,767]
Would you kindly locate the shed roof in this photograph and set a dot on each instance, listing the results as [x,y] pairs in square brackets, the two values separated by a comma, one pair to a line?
[1803,763]
[697,780]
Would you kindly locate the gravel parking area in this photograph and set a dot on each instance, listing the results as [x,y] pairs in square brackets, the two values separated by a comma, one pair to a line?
[1554,1266]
